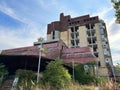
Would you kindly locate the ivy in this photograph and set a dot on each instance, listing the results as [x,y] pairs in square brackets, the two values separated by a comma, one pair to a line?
[84,77]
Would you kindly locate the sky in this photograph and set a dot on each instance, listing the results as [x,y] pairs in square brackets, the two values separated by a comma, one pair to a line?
[22,22]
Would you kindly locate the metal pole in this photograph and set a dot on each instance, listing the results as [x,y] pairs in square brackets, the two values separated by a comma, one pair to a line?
[73,70]
[40,47]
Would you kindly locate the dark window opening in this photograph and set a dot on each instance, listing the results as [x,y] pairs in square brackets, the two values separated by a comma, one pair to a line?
[76,28]
[76,34]
[84,20]
[53,36]
[92,26]
[94,49]
[96,54]
[94,18]
[99,64]
[94,41]
[68,20]
[89,42]
[73,43]
[72,29]
[87,26]
[72,35]
[77,42]
[90,19]
[53,33]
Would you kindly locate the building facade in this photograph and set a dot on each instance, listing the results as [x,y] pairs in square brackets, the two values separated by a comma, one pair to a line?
[84,31]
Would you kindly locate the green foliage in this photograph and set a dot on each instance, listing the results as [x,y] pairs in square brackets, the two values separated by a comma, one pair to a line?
[3,73]
[82,76]
[56,75]
[26,78]
[91,63]
[40,39]
[101,80]
[117,68]
[116,5]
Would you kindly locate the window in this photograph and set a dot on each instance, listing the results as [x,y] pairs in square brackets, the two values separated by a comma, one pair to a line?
[53,35]
[72,29]
[99,64]
[74,36]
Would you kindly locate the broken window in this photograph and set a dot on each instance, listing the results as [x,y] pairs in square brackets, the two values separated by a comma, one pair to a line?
[72,42]
[96,54]
[53,35]
[76,28]
[99,64]
[87,26]
[74,36]
[72,29]
[77,42]
[92,26]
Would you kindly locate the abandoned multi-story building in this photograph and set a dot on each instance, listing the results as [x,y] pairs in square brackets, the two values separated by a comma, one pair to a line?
[84,31]
[82,39]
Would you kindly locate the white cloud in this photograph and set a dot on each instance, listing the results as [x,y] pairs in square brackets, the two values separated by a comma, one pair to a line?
[113,30]
[13,14]
[102,12]
[24,36]
[114,38]
[19,38]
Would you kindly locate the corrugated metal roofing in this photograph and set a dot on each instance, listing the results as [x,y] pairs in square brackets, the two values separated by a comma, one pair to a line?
[55,50]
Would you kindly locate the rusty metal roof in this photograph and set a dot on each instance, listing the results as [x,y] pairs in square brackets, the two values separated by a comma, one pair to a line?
[55,50]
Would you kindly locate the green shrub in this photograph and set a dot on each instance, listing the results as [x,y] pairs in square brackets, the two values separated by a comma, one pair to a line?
[101,80]
[27,78]
[3,73]
[83,77]
[56,75]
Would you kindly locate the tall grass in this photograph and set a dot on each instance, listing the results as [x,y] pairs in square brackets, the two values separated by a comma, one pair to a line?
[108,85]
[72,86]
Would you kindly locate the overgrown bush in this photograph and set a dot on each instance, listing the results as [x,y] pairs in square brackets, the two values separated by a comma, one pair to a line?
[56,75]
[102,80]
[82,76]
[27,79]
[3,73]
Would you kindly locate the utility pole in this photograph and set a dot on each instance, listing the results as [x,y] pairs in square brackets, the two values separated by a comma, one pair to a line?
[40,53]
[39,63]
[73,70]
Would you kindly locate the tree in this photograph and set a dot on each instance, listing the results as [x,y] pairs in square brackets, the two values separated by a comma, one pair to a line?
[3,73]
[26,78]
[116,5]
[40,39]
[56,75]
